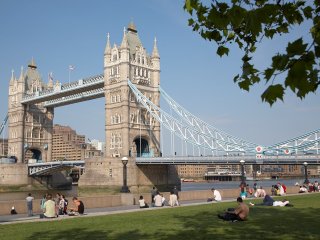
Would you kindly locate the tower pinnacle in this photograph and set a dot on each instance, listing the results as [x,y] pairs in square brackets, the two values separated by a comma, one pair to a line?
[32,64]
[108,47]
[155,52]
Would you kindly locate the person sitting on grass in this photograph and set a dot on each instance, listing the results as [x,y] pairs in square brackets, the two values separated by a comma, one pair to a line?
[158,200]
[216,196]
[173,199]
[241,213]
[303,189]
[142,203]
[49,208]
[79,207]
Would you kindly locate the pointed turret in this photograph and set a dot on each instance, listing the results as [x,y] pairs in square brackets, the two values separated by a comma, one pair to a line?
[32,64]
[12,77]
[155,52]
[132,27]
[50,81]
[107,51]
[21,78]
[124,43]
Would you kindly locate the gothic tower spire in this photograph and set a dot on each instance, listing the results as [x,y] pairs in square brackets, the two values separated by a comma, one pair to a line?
[155,52]
[107,51]
[124,43]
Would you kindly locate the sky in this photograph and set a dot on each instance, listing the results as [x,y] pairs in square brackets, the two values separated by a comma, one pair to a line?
[61,33]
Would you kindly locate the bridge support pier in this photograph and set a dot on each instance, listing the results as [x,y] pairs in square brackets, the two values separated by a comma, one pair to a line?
[108,172]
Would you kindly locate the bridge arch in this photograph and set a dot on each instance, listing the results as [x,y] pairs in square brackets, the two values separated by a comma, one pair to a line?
[142,146]
[33,153]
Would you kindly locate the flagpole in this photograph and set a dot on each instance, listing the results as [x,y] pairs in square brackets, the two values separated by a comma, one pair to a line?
[69,74]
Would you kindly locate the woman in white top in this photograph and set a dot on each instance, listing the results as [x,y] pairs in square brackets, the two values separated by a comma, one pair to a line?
[142,203]
[173,200]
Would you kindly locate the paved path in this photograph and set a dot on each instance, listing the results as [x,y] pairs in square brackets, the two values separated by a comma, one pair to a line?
[91,212]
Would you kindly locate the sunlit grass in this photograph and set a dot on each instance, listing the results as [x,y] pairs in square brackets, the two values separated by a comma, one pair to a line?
[190,222]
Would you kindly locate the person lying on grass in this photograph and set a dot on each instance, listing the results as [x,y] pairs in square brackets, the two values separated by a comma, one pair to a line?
[269,201]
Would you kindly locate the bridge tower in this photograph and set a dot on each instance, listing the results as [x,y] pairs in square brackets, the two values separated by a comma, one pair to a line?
[130,130]
[30,126]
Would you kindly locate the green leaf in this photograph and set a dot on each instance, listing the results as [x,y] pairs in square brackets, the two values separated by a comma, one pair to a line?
[245,84]
[235,79]
[297,76]
[222,51]
[268,73]
[317,51]
[190,21]
[307,11]
[280,62]
[296,48]
[273,93]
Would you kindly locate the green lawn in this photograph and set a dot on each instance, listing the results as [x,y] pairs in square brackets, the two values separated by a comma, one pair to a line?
[194,222]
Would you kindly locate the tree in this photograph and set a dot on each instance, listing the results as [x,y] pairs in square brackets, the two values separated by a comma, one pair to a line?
[248,22]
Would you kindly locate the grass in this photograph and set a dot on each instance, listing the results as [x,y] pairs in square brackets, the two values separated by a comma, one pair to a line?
[192,222]
[21,188]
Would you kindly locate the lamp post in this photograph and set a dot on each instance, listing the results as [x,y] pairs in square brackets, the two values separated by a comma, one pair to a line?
[306,172]
[124,188]
[243,183]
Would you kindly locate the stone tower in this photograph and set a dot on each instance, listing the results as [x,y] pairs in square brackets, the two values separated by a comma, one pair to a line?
[130,130]
[30,126]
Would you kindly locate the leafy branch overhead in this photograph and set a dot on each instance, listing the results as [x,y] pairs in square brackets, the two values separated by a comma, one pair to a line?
[247,23]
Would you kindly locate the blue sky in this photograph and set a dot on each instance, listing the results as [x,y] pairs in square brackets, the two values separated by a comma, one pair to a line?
[59,33]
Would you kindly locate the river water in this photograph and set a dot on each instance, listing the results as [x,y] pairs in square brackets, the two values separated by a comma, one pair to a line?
[189,186]
[266,184]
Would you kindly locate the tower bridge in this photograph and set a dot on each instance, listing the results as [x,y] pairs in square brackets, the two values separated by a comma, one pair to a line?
[130,84]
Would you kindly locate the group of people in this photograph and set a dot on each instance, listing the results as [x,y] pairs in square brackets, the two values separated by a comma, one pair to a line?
[52,208]
[309,187]
[257,191]
[158,200]
[278,189]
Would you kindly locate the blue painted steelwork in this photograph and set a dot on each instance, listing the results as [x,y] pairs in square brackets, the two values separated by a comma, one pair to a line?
[232,160]
[188,132]
[187,126]
[87,88]
[4,122]
[204,127]
[47,168]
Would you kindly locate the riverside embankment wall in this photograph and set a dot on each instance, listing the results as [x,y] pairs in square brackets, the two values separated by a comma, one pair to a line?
[127,199]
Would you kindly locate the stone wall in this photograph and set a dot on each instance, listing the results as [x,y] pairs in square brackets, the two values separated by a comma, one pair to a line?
[109,172]
[14,174]
[127,199]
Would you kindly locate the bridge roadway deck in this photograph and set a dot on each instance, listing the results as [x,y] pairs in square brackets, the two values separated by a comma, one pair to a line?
[69,90]
[232,160]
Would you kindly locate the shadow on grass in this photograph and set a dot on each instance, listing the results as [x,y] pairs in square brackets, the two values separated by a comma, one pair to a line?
[263,223]
[193,222]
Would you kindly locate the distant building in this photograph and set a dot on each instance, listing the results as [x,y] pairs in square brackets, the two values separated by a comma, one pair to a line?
[68,145]
[98,145]
[3,147]
[251,171]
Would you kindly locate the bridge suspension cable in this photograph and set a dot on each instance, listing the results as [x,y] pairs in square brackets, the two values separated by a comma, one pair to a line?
[306,142]
[188,132]
[4,122]
[203,126]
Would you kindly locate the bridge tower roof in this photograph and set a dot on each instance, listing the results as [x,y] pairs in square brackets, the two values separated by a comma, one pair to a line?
[133,38]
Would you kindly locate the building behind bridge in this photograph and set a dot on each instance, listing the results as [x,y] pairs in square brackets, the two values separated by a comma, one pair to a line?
[68,145]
